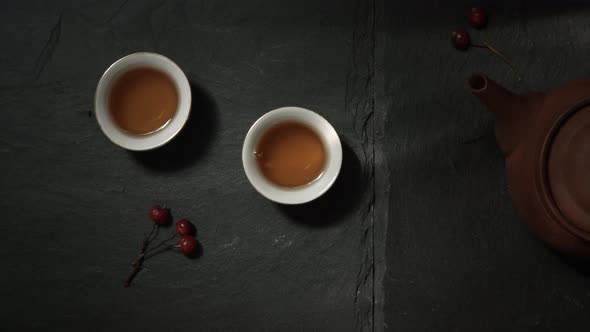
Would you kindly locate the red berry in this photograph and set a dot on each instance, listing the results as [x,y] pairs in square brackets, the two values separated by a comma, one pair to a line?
[185,227]
[478,17]
[160,215]
[188,245]
[460,39]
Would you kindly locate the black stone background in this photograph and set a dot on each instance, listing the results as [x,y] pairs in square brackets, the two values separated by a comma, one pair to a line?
[418,234]
[458,258]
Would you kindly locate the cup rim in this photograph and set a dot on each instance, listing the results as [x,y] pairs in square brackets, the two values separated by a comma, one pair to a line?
[159,137]
[305,193]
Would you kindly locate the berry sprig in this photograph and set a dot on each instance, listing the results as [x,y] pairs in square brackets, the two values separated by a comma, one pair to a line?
[185,231]
[478,19]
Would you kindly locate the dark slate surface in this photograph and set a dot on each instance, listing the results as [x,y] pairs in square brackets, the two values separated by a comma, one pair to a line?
[77,205]
[434,244]
[458,258]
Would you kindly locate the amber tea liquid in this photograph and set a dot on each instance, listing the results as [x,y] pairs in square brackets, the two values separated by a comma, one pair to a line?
[290,154]
[143,100]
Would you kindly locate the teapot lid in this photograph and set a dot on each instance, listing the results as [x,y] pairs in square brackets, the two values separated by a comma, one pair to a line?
[568,169]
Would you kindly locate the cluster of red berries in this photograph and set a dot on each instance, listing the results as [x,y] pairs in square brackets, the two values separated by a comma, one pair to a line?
[187,243]
[478,19]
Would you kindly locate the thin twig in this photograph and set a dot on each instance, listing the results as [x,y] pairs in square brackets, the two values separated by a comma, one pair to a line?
[137,266]
[496,52]
[155,233]
[144,248]
[143,254]
[161,250]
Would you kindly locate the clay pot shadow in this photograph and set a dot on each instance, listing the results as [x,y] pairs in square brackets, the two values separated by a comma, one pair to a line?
[192,142]
[579,264]
[339,201]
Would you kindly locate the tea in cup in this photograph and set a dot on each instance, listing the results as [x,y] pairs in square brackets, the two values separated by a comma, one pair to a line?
[292,155]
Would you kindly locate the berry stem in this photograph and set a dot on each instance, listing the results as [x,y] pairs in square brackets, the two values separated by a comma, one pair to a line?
[144,248]
[138,263]
[490,48]
[155,231]
[142,255]
[153,253]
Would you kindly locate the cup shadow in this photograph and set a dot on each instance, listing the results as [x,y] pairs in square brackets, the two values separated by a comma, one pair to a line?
[340,201]
[194,139]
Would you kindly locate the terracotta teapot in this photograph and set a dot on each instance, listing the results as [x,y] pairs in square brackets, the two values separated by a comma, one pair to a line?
[546,140]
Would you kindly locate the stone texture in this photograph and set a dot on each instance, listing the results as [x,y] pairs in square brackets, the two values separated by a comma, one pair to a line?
[418,234]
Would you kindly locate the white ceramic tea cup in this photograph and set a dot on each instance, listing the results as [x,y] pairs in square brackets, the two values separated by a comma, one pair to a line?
[160,136]
[305,193]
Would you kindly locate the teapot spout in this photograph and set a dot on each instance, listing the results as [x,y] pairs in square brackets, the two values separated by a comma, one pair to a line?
[514,113]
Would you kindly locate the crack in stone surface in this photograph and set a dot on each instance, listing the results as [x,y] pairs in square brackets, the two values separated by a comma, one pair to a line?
[48,49]
[117,11]
[360,102]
